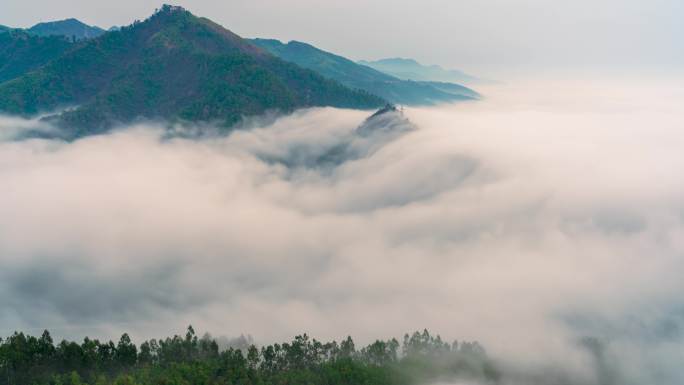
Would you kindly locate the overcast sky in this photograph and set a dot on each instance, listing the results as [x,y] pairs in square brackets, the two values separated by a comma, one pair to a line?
[487,37]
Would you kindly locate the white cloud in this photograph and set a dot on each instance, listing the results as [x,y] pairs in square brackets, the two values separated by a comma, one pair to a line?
[525,221]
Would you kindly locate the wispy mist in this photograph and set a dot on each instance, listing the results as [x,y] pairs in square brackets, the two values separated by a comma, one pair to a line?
[530,221]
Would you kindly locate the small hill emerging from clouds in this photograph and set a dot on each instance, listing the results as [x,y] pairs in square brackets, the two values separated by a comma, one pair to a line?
[71,28]
[22,52]
[365,78]
[410,69]
[172,66]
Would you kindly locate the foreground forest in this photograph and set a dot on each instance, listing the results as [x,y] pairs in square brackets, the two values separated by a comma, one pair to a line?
[421,358]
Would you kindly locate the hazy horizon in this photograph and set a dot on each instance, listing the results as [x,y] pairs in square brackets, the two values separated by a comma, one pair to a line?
[493,38]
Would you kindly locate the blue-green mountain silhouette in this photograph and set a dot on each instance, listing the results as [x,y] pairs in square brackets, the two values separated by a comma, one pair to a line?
[362,77]
[71,28]
[410,69]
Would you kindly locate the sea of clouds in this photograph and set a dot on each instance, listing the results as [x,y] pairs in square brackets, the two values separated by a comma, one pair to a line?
[530,220]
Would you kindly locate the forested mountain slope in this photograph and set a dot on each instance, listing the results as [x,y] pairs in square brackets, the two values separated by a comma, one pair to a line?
[172,66]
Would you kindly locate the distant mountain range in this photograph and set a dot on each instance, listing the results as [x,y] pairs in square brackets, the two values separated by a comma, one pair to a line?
[172,66]
[70,28]
[365,78]
[410,69]
[177,67]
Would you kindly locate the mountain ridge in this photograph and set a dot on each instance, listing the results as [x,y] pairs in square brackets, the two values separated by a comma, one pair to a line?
[71,28]
[173,66]
[354,75]
[410,69]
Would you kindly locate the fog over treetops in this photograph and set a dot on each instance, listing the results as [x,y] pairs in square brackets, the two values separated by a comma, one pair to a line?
[528,221]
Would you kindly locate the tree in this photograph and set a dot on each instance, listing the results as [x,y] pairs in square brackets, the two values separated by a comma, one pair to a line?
[145,356]
[126,352]
[187,360]
[46,347]
[253,357]
[190,344]
[347,348]
[381,353]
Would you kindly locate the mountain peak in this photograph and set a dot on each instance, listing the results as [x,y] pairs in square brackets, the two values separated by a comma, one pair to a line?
[170,11]
[169,8]
[399,60]
[67,21]
[71,28]
[173,26]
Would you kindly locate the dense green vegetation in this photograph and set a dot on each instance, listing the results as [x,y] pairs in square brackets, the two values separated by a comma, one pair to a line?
[189,360]
[172,66]
[70,28]
[22,52]
[365,78]
[25,50]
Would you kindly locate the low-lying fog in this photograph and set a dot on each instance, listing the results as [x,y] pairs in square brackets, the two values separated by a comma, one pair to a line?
[529,220]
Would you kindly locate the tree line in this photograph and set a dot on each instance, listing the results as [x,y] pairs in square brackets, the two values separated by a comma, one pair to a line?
[193,360]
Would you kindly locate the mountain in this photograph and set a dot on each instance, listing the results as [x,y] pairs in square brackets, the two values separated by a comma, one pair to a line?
[362,77]
[71,28]
[21,52]
[172,66]
[412,70]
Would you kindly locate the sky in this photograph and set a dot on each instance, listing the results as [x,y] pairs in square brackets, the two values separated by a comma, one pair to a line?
[495,38]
